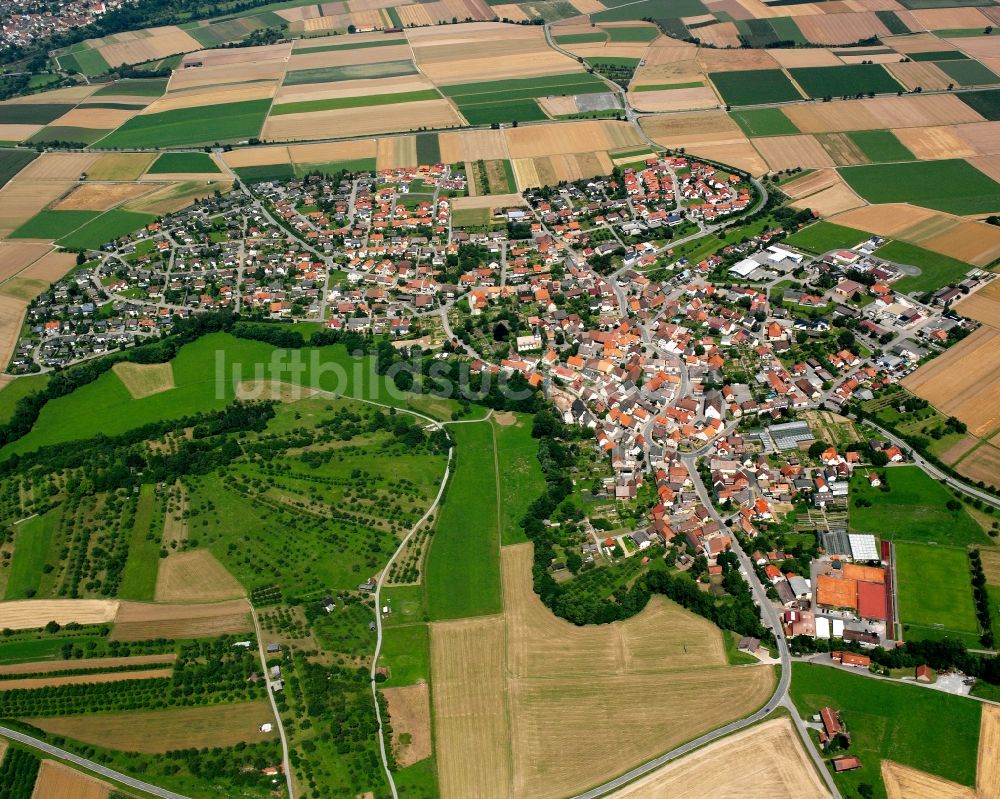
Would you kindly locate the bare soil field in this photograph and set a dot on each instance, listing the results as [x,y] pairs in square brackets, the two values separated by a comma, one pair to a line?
[343,58]
[917,43]
[410,714]
[929,144]
[120,166]
[788,152]
[50,267]
[731,60]
[903,782]
[831,201]
[887,219]
[195,576]
[472,145]
[95,118]
[30,683]
[22,198]
[138,621]
[809,57]
[974,242]
[15,132]
[174,196]
[988,165]
[58,780]
[238,55]
[144,380]
[768,756]
[964,381]
[100,196]
[811,183]
[840,28]
[396,151]
[333,151]
[86,663]
[489,201]
[721,35]
[158,731]
[57,166]
[958,449]
[578,137]
[16,255]
[675,99]
[161,43]
[351,88]
[28,614]
[978,46]
[983,464]
[257,156]
[908,111]
[362,121]
[924,74]
[936,19]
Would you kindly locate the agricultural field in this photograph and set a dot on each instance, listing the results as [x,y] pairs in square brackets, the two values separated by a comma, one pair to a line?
[763,122]
[913,509]
[168,163]
[844,81]
[228,122]
[514,100]
[935,594]
[936,270]
[928,730]
[950,185]
[13,161]
[880,145]
[823,236]
[754,87]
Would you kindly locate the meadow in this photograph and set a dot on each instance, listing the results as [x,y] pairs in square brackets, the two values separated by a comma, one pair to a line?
[139,577]
[463,565]
[935,593]
[912,510]
[13,161]
[168,163]
[104,228]
[406,653]
[845,81]
[823,236]
[928,730]
[32,540]
[880,145]
[763,122]
[954,185]
[754,86]
[521,481]
[936,270]
[51,225]
[191,126]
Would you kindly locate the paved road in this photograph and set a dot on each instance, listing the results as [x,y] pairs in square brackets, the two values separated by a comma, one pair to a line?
[89,765]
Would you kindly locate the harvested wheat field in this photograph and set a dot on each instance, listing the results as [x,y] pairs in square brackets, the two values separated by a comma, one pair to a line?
[703,127]
[978,46]
[211,96]
[367,121]
[410,714]
[830,201]
[32,683]
[139,621]
[343,58]
[144,380]
[120,166]
[768,756]
[174,196]
[731,60]
[925,74]
[903,782]
[983,137]
[964,381]
[50,267]
[58,780]
[720,36]
[396,151]
[332,151]
[95,118]
[674,99]
[23,289]
[18,132]
[46,666]
[257,156]
[265,71]
[352,88]
[908,111]
[811,183]
[472,145]
[160,43]
[982,464]
[788,152]
[840,28]
[991,567]
[67,94]
[887,219]
[983,304]
[917,43]
[842,149]
[16,255]
[570,137]
[57,166]
[195,576]
[808,57]
[12,312]
[958,449]
[100,196]
[973,242]
[22,198]
[988,165]
[158,731]
[934,143]
[936,19]
[489,201]
[29,614]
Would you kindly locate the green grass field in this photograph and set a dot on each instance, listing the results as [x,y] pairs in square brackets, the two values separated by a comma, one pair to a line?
[104,228]
[847,80]
[265,172]
[13,161]
[880,145]
[938,55]
[330,167]
[89,62]
[824,236]
[139,577]
[582,38]
[633,33]
[406,653]
[954,185]
[664,87]
[927,730]
[53,224]
[334,104]
[134,87]
[754,86]
[14,390]
[763,122]
[935,593]
[57,133]
[968,72]
[191,126]
[463,566]
[912,510]
[506,101]
[32,540]
[183,162]
[31,113]
[502,111]
[936,270]
[521,478]
[986,103]
[428,148]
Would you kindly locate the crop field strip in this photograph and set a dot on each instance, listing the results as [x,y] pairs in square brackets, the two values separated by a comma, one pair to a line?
[491,101]
[333,104]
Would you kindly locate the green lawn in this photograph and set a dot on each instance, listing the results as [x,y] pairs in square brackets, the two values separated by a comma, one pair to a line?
[953,185]
[846,80]
[912,510]
[936,270]
[763,122]
[935,593]
[32,540]
[139,576]
[183,162]
[754,86]
[463,566]
[53,224]
[880,145]
[191,126]
[104,228]
[336,103]
[521,478]
[822,237]
[406,653]
[927,730]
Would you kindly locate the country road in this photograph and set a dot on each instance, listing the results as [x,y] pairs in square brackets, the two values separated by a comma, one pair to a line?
[286,765]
